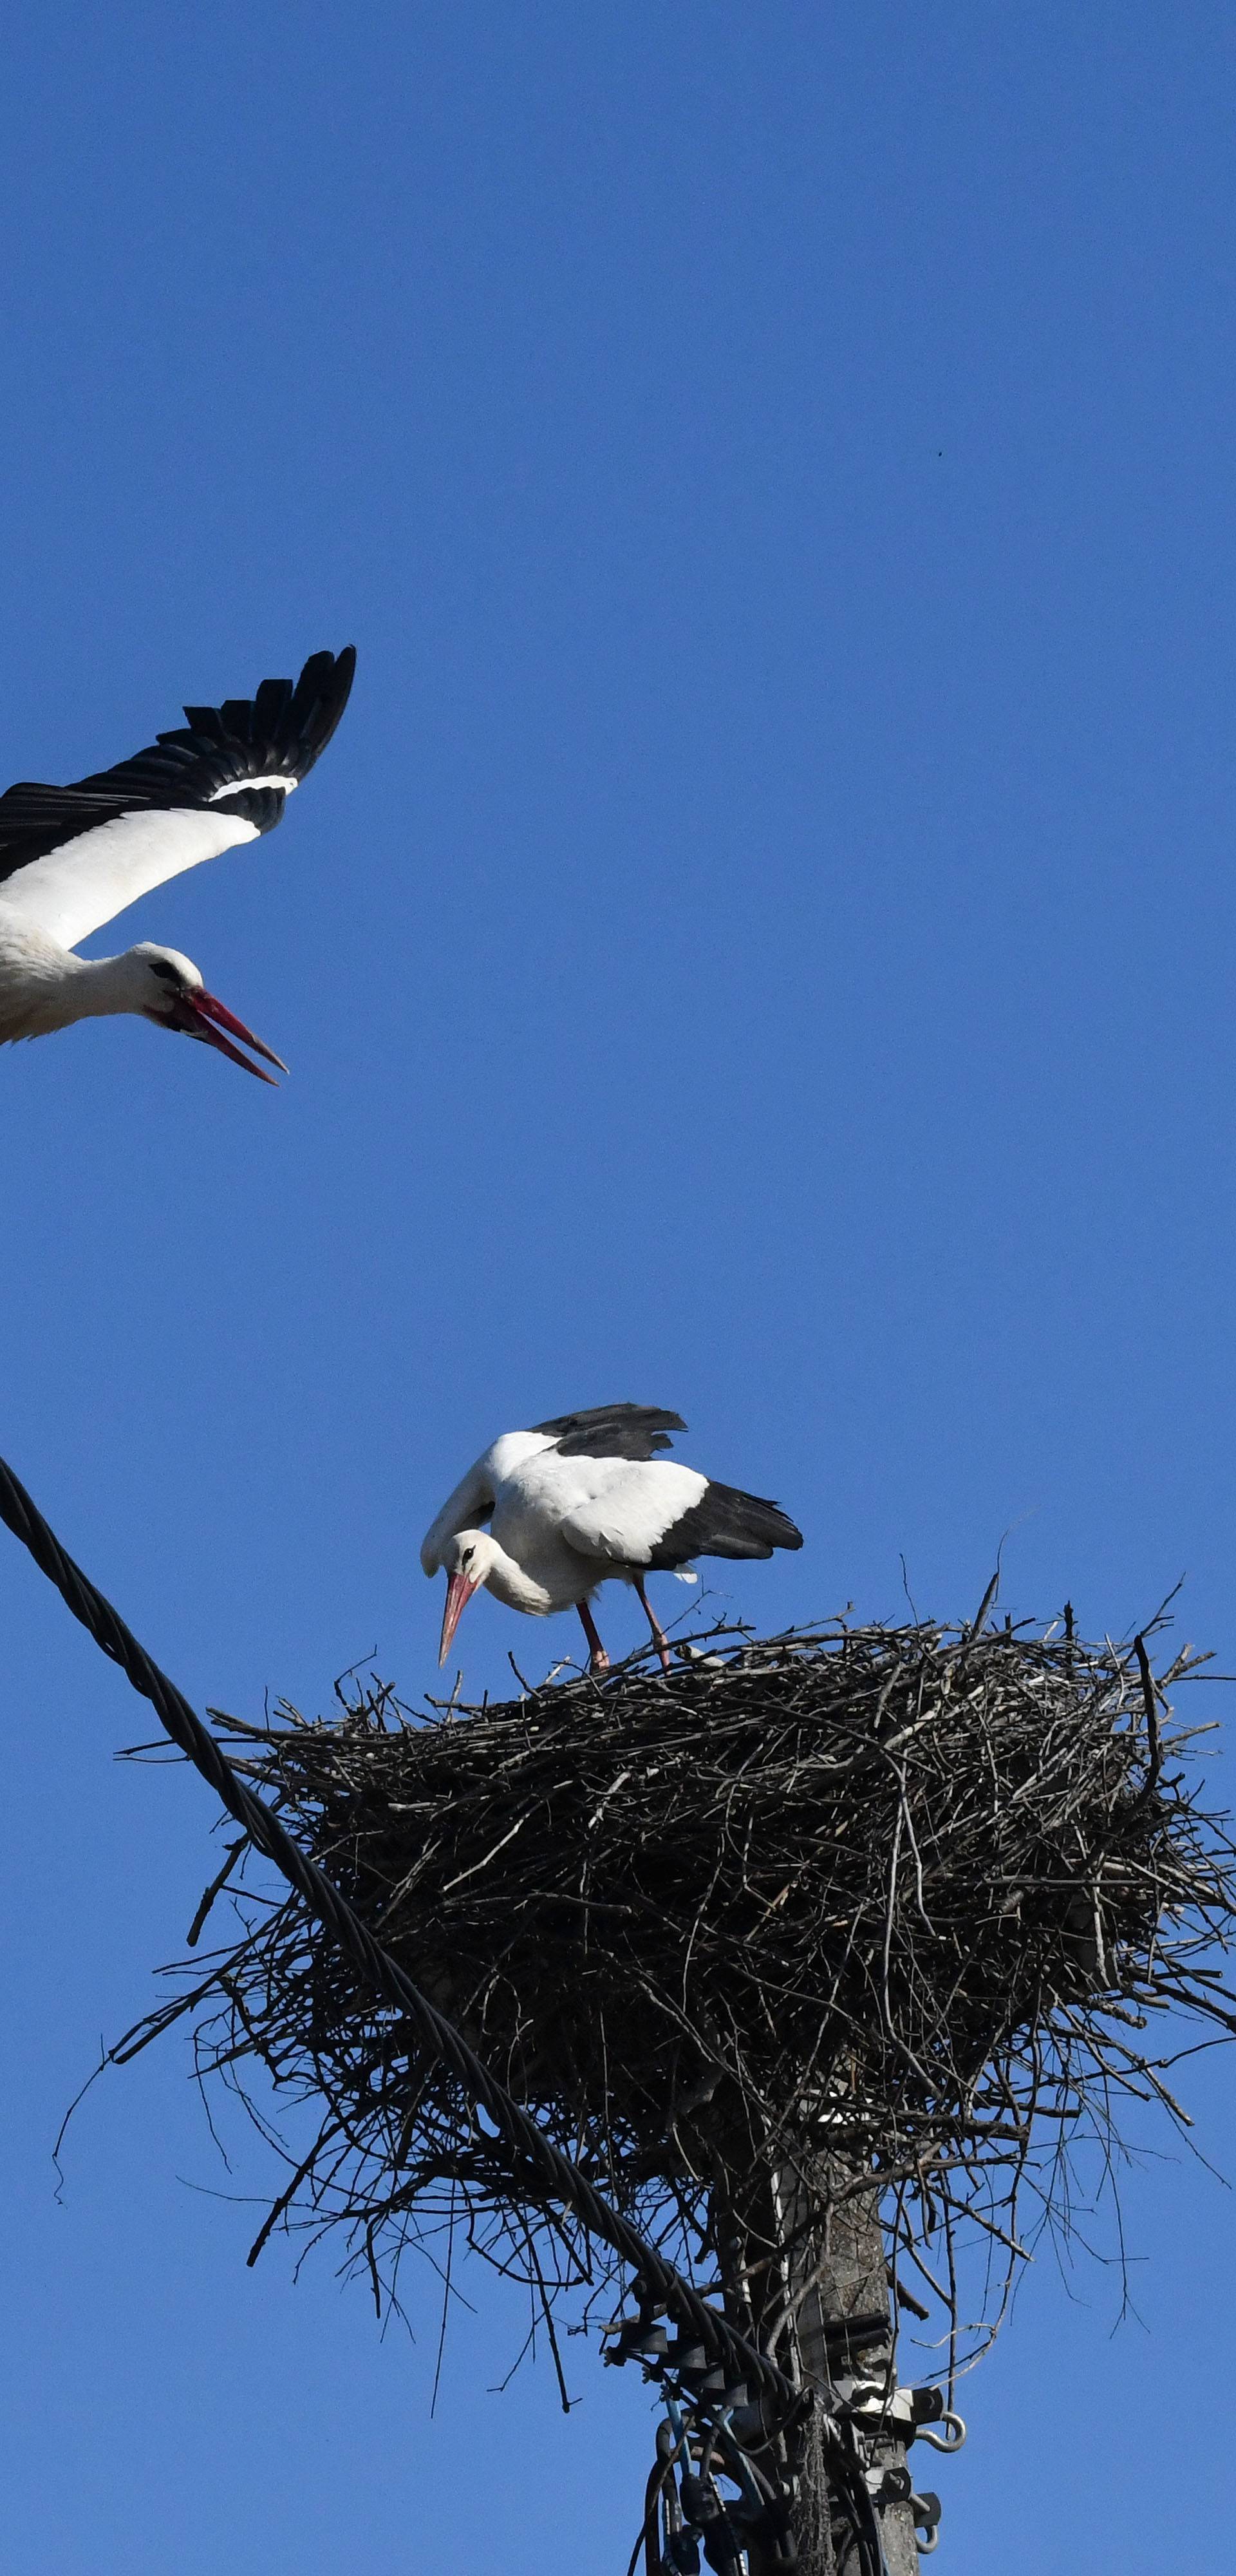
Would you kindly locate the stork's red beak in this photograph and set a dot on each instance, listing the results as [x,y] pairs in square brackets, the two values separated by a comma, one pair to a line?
[209,1017]
[459,1591]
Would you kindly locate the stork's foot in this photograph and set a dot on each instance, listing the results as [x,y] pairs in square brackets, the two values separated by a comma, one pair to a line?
[599,1662]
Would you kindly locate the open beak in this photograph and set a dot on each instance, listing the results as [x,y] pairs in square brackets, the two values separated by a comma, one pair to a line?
[459,1591]
[207,1020]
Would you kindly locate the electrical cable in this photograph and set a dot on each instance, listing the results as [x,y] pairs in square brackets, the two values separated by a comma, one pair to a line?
[527,2142]
[656,2280]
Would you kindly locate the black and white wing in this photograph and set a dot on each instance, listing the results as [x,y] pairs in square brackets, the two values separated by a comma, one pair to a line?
[725,1522]
[610,1430]
[661,1516]
[72,857]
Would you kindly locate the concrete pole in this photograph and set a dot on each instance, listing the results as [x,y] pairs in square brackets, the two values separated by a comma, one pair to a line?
[835,2274]
[851,2282]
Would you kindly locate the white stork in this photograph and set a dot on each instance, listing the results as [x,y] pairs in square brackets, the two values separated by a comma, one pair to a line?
[581,1500]
[71,857]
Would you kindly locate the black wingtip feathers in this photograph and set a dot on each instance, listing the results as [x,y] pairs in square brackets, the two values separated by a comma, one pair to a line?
[285,725]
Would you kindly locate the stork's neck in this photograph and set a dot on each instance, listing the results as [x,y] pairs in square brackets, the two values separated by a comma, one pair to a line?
[508,1582]
[99,986]
[43,987]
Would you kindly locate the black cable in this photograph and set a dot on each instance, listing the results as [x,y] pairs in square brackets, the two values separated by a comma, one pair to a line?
[660,2283]
[528,2143]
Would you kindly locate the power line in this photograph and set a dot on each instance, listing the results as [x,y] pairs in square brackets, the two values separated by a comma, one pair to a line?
[660,2287]
[526,2141]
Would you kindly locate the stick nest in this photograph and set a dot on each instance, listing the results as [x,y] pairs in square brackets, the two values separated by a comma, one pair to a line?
[874,1909]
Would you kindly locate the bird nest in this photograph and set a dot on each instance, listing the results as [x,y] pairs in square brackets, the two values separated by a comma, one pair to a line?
[894,1912]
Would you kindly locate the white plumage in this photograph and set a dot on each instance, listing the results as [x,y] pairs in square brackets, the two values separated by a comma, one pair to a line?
[583,1499]
[73,890]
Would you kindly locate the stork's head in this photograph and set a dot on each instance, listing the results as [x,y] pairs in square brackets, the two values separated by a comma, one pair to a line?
[169,990]
[466,1559]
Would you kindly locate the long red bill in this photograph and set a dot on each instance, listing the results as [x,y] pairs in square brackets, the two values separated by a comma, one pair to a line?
[213,1017]
[459,1591]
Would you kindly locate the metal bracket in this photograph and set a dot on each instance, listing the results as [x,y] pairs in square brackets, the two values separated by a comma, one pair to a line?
[926,2509]
[902,2413]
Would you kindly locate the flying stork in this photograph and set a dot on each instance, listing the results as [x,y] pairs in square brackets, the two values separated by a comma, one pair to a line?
[72,857]
[581,1500]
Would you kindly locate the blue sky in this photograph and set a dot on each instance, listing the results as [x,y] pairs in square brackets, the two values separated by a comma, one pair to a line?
[761,942]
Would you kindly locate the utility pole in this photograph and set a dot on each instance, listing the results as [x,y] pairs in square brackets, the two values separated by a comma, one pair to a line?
[840,2334]
[835,2277]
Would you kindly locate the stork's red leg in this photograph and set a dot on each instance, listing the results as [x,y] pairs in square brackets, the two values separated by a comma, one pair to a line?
[659,1638]
[597,1656]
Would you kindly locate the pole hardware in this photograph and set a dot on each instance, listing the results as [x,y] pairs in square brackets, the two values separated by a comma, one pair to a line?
[885,2417]
[926,2509]
[693,2514]
[876,2403]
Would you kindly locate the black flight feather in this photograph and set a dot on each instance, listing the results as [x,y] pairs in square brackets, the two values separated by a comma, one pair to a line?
[612,1431]
[273,698]
[724,1522]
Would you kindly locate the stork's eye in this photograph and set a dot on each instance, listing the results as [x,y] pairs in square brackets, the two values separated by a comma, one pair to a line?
[169,974]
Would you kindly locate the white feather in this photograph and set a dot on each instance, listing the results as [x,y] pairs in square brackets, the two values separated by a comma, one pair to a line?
[101,872]
[627,1505]
[241,787]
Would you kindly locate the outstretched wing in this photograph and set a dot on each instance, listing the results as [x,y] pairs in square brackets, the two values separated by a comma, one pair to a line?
[72,857]
[612,1431]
